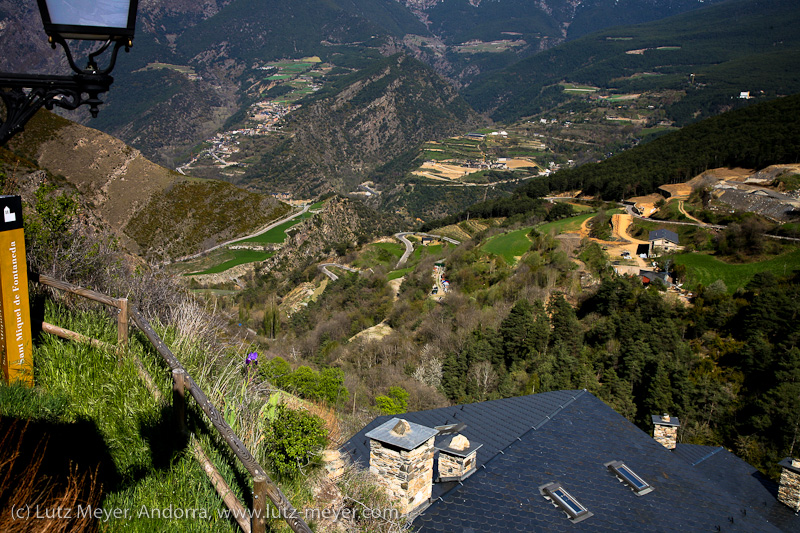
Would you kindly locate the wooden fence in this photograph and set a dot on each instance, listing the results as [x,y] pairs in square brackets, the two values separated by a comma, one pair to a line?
[263,486]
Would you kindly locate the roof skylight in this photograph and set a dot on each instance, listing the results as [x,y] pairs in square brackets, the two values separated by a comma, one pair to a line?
[626,475]
[563,499]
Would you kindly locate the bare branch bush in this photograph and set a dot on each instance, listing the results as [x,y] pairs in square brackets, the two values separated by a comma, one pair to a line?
[22,482]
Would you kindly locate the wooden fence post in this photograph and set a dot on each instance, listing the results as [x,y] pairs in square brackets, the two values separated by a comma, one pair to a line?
[122,323]
[179,399]
[258,520]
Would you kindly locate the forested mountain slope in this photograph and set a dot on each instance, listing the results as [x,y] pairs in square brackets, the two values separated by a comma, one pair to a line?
[753,137]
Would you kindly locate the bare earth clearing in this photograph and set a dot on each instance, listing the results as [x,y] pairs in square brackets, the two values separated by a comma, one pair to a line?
[647,204]
[449,171]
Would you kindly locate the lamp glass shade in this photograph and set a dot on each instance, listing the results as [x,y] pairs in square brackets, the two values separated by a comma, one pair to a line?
[89,19]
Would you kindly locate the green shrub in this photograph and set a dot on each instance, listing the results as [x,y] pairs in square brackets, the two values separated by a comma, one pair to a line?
[331,386]
[395,403]
[326,386]
[293,438]
[303,381]
[277,371]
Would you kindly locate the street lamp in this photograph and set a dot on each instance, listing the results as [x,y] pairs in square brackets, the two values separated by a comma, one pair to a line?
[111,21]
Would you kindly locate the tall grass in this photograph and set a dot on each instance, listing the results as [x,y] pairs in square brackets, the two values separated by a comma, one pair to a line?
[146,472]
[151,475]
[704,269]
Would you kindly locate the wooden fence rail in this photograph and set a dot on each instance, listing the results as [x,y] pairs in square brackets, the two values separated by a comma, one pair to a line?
[263,486]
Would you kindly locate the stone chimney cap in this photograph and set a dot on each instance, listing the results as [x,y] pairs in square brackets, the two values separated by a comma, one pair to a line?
[459,450]
[459,442]
[401,428]
[666,420]
[791,464]
[401,433]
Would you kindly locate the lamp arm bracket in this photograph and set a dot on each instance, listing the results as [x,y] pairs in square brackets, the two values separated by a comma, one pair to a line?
[25,94]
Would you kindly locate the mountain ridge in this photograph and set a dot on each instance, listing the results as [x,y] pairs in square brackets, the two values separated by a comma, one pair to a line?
[128,193]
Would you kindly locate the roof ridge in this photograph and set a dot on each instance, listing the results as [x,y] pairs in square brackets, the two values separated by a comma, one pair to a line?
[708,455]
[546,419]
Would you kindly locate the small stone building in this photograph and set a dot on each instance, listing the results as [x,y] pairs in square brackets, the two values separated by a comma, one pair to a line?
[663,240]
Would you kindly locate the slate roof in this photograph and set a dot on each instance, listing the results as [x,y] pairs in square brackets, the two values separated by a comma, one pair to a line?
[495,424]
[652,274]
[568,437]
[744,481]
[663,234]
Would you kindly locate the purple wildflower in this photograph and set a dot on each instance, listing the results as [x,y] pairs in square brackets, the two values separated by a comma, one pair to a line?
[252,357]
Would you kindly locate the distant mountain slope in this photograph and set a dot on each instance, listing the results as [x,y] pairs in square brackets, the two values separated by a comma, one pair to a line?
[729,47]
[754,137]
[359,123]
[187,72]
[268,29]
[460,20]
[155,212]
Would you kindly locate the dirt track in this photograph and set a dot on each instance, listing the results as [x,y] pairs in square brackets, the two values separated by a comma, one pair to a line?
[620,224]
[686,214]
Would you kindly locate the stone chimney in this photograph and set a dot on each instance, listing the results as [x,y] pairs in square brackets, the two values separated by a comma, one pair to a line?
[457,460]
[666,430]
[401,455]
[789,490]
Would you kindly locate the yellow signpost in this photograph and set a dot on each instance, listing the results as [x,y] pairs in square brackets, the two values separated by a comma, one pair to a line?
[15,315]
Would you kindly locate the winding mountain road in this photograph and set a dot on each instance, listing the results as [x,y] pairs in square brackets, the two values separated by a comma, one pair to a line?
[324,268]
[231,241]
[410,247]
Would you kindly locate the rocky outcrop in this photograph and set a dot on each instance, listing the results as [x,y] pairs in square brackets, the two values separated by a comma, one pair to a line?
[342,224]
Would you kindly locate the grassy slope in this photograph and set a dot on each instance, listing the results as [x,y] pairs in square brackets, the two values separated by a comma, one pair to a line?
[240,257]
[565,224]
[706,269]
[143,468]
[191,214]
[509,245]
[276,235]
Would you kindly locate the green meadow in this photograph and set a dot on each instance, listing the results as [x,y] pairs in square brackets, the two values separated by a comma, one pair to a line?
[277,235]
[240,257]
[394,274]
[565,224]
[705,269]
[509,245]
